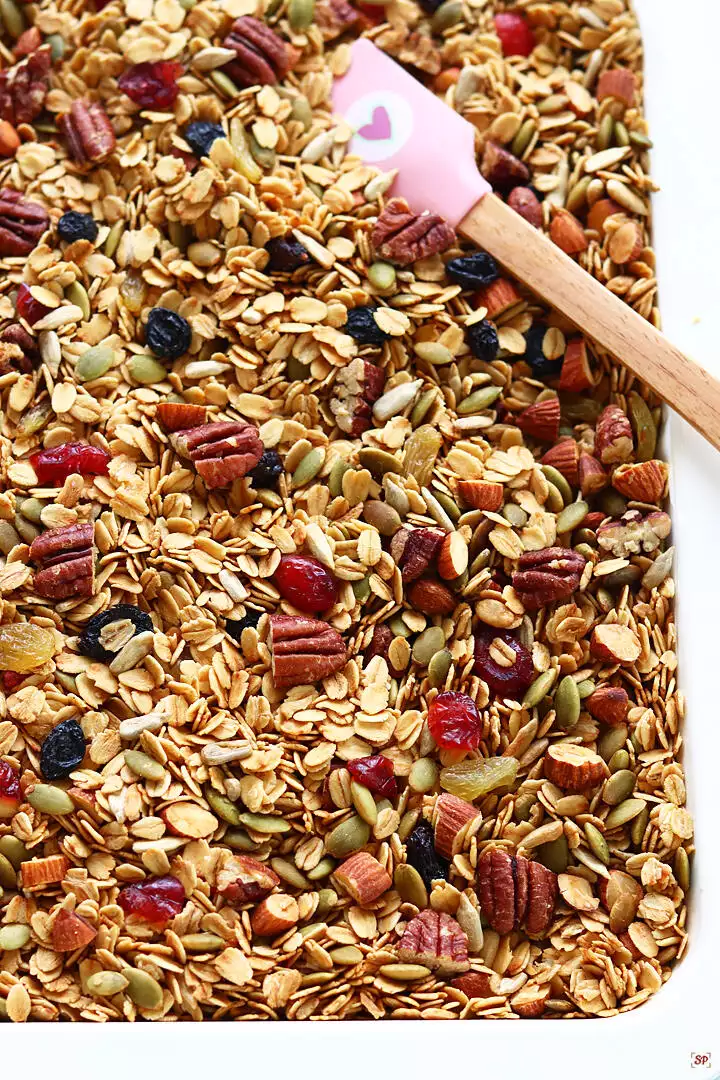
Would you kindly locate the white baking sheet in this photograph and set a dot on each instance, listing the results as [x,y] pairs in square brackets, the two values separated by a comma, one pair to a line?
[660,1040]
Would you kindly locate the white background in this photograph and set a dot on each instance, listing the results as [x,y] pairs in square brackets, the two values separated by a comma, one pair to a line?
[656,1041]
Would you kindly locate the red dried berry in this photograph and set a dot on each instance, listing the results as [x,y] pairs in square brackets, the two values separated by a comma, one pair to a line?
[156,900]
[152,84]
[28,307]
[376,773]
[11,679]
[10,793]
[306,583]
[511,680]
[515,35]
[454,722]
[55,465]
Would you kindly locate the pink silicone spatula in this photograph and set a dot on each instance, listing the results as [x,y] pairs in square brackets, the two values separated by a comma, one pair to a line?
[398,124]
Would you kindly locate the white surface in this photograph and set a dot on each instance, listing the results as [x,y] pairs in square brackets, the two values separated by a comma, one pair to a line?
[655,1041]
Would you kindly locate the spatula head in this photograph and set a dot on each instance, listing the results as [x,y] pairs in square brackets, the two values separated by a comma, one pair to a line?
[398,124]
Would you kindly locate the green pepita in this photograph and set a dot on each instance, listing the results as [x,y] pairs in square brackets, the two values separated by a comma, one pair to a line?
[308,467]
[439,667]
[423,775]
[447,15]
[146,369]
[479,400]
[14,936]
[113,238]
[346,955]
[361,589]
[558,480]
[378,462]
[337,470]
[571,516]
[681,866]
[625,812]
[76,293]
[639,825]
[618,787]
[302,111]
[523,138]
[428,643]
[597,844]
[14,850]
[619,760]
[12,17]
[349,836]
[223,807]
[142,989]
[604,136]
[301,13]
[238,840]
[585,688]
[327,899]
[289,873]
[265,823]
[422,406]
[323,869]
[382,517]
[226,87]
[567,703]
[382,275]
[50,800]
[94,363]
[145,766]
[410,885]
[643,426]
[106,983]
[404,972]
[363,802]
[539,688]
[8,873]
[57,46]
[555,854]
[200,943]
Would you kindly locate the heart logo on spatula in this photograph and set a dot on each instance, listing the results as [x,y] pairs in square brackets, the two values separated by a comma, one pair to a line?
[379,127]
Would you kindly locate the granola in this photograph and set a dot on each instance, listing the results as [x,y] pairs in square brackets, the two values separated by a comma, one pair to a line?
[226,349]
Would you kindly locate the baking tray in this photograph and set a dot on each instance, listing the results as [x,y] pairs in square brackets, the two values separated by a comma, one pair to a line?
[676,1034]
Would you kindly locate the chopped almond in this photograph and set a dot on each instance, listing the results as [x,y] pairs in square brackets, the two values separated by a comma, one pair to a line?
[46,871]
[498,297]
[275,915]
[363,877]
[71,932]
[615,644]
[574,768]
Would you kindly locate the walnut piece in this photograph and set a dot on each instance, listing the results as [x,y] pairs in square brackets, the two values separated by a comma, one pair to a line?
[546,576]
[357,387]
[241,879]
[436,940]
[24,87]
[634,534]
[401,236]
[304,650]
[513,890]
[414,550]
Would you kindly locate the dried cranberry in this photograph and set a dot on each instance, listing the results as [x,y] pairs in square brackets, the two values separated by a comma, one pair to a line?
[11,679]
[507,682]
[515,35]
[286,254]
[10,793]
[306,583]
[156,900]
[55,465]
[454,721]
[152,84]
[376,773]
[28,307]
[421,853]
[375,14]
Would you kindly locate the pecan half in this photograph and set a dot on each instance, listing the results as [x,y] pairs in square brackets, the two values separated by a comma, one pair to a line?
[357,388]
[24,87]
[67,562]
[401,236]
[436,940]
[241,879]
[88,131]
[634,533]
[220,452]
[503,170]
[334,17]
[22,223]
[262,56]
[414,550]
[546,576]
[513,890]
[304,650]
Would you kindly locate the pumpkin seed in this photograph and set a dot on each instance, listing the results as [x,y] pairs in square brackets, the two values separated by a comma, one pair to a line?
[32,509]
[238,840]
[618,787]
[76,293]
[265,823]
[8,874]
[349,836]
[597,844]
[301,13]
[612,741]
[227,87]
[577,196]
[346,955]
[145,766]
[50,800]
[363,802]
[362,589]
[113,238]
[35,419]
[289,873]
[337,470]
[558,480]
[639,825]
[524,136]
[106,983]
[439,667]
[659,570]
[405,972]
[142,989]
[146,369]
[643,426]
[396,400]
[571,516]
[382,517]
[14,850]
[585,688]
[381,275]
[428,643]
[681,866]
[604,136]
[13,936]
[447,15]
[223,807]
[619,760]
[200,943]
[57,46]
[410,885]
[422,406]
[567,703]
[322,870]
[9,537]
[638,138]
[94,363]
[308,467]
[378,462]
[539,688]
[327,899]
[479,400]
[555,854]
[423,775]
[302,111]
[515,515]
[12,17]
[451,508]
[625,812]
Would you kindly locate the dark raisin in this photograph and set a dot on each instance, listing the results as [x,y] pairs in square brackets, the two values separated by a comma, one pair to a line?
[167,333]
[235,627]
[361,325]
[483,340]
[430,6]
[286,254]
[473,271]
[542,368]
[422,855]
[89,641]
[200,135]
[62,751]
[75,226]
[266,472]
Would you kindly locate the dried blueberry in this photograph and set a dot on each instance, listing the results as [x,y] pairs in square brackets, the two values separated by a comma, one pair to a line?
[75,226]
[286,254]
[483,340]
[101,643]
[542,368]
[473,271]
[235,627]
[361,325]
[62,751]
[422,855]
[266,472]
[167,333]
[200,135]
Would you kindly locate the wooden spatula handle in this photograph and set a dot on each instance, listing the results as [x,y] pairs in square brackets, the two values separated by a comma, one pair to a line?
[601,315]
